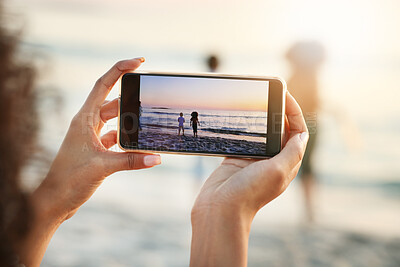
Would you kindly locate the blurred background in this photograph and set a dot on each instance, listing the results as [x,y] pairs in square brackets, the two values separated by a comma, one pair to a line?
[142,218]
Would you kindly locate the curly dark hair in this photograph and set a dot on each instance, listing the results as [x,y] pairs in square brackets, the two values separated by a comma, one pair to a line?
[18,120]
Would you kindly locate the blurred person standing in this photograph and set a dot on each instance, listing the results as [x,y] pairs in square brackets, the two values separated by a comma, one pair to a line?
[305,59]
[212,63]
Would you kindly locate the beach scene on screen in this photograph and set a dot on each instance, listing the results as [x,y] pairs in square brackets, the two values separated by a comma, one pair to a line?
[213,115]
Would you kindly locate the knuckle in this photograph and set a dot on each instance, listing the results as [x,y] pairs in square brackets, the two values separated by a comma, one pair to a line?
[279,173]
[100,82]
[119,65]
[131,161]
[284,184]
[278,168]
[299,153]
[122,65]
[82,120]
[76,121]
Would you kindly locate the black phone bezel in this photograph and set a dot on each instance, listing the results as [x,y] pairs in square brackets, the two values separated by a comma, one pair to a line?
[276,94]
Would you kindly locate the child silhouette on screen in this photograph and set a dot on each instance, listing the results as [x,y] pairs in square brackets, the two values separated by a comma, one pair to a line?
[181,120]
[194,121]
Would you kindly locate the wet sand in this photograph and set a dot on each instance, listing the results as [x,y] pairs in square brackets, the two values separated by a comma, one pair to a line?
[161,140]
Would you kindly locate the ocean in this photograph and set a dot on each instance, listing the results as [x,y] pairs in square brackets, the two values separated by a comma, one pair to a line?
[226,132]
[229,123]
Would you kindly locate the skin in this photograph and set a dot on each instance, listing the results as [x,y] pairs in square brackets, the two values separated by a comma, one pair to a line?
[81,165]
[236,190]
[222,213]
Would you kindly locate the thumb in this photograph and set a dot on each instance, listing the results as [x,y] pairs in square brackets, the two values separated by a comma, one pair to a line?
[283,164]
[117,161]
[293,151]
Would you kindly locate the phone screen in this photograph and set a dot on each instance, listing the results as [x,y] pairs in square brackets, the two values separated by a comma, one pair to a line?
[202,115]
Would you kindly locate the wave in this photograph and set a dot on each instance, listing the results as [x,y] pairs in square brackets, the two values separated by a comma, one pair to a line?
[159,126]
[159,108]
[234,132]
[161,112]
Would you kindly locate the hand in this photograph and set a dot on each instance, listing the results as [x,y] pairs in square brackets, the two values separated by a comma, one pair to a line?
[84,161]
[81,165]
[235,191]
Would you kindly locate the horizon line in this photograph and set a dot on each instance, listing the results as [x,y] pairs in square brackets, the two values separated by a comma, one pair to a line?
[199,108]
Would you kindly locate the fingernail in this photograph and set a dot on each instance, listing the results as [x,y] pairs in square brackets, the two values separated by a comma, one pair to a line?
[141,59]
[304,137]
[152,160]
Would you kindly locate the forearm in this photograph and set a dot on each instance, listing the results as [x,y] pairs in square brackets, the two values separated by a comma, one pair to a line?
[44,224]
[219,238]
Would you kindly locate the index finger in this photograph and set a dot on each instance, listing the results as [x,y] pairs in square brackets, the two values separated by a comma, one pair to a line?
[106,82]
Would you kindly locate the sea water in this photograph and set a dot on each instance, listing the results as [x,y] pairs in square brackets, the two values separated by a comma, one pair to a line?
[232,122]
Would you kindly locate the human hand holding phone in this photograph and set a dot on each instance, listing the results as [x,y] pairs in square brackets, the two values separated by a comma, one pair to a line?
[81,165]
[84,160]
[235,191]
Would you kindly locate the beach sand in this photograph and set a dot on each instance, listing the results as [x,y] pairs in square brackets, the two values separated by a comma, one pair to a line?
[151,138]
[144,220]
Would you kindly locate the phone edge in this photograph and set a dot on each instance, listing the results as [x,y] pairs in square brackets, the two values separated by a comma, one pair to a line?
[284,91]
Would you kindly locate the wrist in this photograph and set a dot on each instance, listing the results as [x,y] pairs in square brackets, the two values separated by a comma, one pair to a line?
[221,213]
[211,207]
[43,225]
[44,204]
[219,236]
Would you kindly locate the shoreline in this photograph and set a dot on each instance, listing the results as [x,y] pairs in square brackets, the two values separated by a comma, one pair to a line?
[160,140]
[173,130]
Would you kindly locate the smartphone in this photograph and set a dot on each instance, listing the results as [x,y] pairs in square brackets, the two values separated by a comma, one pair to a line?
[202,114]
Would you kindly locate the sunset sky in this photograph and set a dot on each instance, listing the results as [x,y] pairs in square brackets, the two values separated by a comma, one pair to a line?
[200,93]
